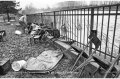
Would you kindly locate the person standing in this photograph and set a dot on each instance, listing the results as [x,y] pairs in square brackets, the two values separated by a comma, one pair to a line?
[23,22]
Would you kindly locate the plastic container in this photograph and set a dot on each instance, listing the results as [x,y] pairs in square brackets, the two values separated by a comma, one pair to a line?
[17,32]
[17,65]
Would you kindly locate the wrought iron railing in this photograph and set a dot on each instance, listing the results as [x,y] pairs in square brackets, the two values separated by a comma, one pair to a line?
[76,24]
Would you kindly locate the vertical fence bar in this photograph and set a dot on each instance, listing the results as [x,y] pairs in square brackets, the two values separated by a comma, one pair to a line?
[77,26]
[81,28]
[60,22]
[91,27]
[41,17]
[72,25]
[68,24]
[84,30]
[88,28]
[114,32]
[54,20]
[62,15]
[102,29]
[65,24]
[97,19]
[63,21]
[107,32]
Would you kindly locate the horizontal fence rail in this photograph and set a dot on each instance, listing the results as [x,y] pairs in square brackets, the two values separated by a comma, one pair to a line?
[76,24]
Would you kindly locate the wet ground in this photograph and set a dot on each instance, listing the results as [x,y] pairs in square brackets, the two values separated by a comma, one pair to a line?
[16,47]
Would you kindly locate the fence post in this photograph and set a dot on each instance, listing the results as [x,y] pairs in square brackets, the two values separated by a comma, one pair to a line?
[54,21]
[41,17]
[91,27]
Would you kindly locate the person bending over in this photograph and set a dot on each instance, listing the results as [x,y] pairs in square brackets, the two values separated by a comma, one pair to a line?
[23,22]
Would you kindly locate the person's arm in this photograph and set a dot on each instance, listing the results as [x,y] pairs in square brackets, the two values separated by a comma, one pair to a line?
[25,19]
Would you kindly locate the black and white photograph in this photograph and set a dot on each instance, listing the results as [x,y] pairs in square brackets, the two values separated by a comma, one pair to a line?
[59,39]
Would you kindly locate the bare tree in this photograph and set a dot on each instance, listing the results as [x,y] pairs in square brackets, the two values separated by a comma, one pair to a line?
[30,9]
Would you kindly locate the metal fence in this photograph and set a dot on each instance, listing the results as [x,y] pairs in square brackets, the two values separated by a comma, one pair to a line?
[76,24]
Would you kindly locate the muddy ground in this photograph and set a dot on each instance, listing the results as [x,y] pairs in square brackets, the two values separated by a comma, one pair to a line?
[16,47]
